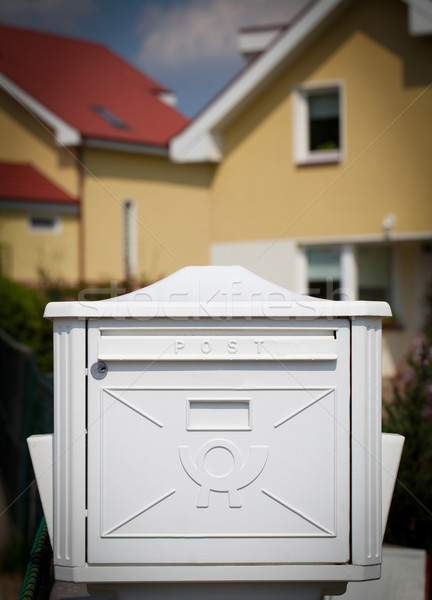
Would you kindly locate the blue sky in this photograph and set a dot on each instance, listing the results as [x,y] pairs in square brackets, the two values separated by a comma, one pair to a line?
[187,45]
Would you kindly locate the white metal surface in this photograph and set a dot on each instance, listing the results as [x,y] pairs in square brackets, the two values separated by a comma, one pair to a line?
[214,292]
[392,446]
[217,427]
[366,441]
[215,591]
[41,453]
[220,444]
[404,577]
[69,463]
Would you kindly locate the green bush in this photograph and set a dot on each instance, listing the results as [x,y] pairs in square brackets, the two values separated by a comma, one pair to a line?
[410,414]
[21,316]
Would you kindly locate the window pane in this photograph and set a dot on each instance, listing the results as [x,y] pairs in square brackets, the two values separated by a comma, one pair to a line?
[324,272]
[324,117]
[374,265]
[323,263]
[324,106]
[44,224]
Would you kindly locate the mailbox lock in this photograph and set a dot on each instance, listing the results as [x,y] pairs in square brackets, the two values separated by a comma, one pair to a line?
[99,370]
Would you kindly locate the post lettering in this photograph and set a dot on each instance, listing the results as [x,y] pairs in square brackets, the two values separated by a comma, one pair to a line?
[179,345]
[259,343]
[205,347]
[232,346]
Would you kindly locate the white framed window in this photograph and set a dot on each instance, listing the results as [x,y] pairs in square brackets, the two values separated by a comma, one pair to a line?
[318,123]
[44,224]
[130,254]
[375,272]
[324,272]
[350,272]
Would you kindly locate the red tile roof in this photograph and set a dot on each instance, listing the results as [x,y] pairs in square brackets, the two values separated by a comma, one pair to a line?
[22,182]
[73,78]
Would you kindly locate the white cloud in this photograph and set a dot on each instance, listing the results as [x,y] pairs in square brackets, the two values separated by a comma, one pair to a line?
[196,31]
[188,45]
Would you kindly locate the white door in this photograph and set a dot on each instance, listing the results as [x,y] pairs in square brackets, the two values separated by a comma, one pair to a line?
[222,445]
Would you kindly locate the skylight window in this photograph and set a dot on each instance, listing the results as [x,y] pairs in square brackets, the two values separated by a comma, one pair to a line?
[110,117]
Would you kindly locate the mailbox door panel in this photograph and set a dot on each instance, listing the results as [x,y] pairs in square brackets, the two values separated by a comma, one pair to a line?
[219,461]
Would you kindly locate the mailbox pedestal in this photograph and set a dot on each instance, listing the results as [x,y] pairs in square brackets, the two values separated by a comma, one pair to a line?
[216,591]
[214,427]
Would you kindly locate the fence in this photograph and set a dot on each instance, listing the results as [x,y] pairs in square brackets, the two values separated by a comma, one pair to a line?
[26,401]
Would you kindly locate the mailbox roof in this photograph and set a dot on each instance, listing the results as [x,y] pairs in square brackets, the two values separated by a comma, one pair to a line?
[214,292]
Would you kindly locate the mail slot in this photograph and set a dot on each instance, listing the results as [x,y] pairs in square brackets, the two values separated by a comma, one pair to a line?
[217,343]
[216,427]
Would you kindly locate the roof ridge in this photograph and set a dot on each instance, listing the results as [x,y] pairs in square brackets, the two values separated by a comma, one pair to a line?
[68,75]
[80,40]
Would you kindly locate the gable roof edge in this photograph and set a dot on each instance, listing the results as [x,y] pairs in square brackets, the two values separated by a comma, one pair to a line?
[65,134]
[419,17]
[120,146]
[199,142]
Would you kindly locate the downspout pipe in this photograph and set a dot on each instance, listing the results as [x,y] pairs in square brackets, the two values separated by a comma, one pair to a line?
[81,233]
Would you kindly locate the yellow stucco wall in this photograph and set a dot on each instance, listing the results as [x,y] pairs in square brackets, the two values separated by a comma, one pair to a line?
[27,254]
[259,193]
[25,139]
[30,256]
[171,207]
[171,203]
[256,192]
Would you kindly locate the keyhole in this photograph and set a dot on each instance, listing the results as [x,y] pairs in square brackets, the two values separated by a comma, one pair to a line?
[99,370]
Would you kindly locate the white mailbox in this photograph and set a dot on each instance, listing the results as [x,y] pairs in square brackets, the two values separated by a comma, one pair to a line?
[215,427]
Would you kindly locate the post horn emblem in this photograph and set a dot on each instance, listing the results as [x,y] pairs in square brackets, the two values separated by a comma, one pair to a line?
[237,476]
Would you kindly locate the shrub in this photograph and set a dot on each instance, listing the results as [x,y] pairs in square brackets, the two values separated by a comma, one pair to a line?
[410,414]
[21,316]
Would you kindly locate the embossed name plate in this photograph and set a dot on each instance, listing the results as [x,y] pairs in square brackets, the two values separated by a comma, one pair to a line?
[319,344]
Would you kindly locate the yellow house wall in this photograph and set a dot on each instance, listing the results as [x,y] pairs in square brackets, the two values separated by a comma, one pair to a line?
[171,207]
[29,256]
[171,203]
[25,139]
[259,193]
